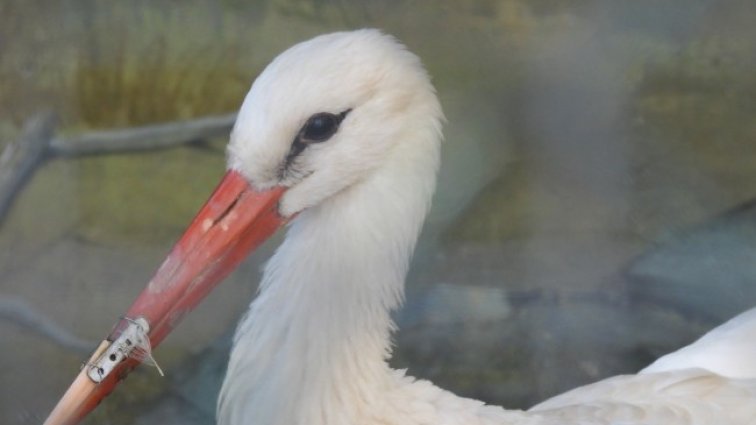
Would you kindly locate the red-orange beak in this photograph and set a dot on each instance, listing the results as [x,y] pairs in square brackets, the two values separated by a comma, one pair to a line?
[235,220]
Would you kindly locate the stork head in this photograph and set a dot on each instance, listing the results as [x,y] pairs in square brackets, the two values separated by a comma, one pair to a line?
[325,115]
[329,111]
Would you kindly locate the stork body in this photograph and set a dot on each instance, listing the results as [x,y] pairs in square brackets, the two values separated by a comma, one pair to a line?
[313,348]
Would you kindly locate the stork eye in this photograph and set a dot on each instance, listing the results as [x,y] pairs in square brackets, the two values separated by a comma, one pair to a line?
[318,128]
[321,126]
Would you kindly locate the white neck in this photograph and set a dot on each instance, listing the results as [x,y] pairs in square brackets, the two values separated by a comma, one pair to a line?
[314,344]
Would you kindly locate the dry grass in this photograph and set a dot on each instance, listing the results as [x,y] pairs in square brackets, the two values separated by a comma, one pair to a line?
[118,64]
[157,68]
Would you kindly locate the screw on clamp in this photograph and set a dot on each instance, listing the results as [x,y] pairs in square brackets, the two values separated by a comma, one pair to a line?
[132,342]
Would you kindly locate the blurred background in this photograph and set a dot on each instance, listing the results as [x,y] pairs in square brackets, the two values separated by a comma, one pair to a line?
[595,208]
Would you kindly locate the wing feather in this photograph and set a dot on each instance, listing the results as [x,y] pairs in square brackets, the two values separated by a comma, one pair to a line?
[689,397]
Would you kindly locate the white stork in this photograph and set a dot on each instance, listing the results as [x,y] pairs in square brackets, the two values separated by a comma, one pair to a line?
[340,136]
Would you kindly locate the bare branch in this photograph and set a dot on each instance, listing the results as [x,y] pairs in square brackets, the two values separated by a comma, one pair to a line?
[161,136]
[21,157]
[19,312]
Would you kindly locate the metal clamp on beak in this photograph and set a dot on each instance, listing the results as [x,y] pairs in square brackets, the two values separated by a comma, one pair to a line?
[133,342]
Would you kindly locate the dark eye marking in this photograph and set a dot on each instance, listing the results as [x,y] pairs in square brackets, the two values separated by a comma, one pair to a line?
[319,128]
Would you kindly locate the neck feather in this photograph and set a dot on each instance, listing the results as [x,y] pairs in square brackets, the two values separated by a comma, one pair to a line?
[314,344]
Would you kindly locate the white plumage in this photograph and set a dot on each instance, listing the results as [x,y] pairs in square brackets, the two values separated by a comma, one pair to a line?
[313,347]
